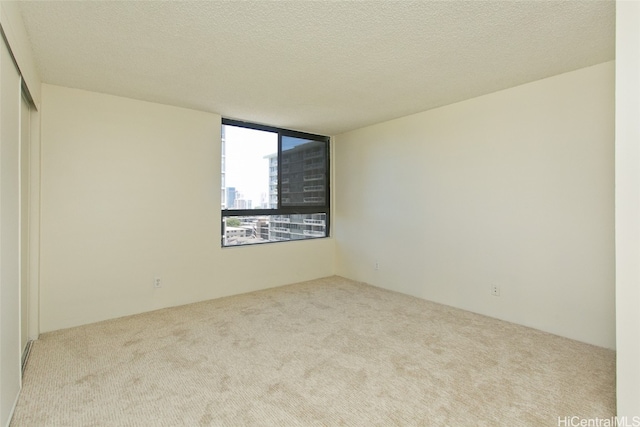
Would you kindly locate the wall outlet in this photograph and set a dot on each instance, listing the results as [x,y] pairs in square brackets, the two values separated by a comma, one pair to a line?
[157,282]
[376,266]
[495,290]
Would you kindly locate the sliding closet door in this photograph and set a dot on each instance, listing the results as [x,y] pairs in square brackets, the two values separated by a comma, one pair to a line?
[25,148]
[10,95]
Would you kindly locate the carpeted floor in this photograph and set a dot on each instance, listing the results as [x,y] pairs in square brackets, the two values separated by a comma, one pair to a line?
[320,353]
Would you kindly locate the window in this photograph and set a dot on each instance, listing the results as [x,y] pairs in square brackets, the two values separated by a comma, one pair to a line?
[275,184]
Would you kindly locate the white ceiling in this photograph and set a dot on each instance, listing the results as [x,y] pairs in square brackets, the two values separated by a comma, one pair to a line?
[318,66]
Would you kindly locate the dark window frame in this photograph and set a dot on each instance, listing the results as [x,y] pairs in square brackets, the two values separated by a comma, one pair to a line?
[285,210]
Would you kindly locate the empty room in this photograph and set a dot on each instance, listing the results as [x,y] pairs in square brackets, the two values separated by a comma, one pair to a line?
[225,213]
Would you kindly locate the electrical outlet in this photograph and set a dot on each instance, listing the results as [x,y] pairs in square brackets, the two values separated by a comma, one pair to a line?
[495,290]
[157,282]
[376,266]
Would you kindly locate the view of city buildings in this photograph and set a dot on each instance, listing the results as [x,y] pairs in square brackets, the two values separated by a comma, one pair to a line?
[303,184]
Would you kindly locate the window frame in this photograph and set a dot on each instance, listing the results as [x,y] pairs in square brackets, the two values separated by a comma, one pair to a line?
[280,209]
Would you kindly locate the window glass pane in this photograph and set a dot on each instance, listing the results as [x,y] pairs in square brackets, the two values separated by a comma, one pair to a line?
[304,166]
[256,206]
[246,172]
[273,228]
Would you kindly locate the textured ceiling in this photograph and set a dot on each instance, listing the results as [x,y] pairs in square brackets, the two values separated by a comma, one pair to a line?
[321,66]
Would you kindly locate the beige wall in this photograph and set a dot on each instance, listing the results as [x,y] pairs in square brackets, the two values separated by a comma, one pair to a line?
[131,190]
[628,208]
[514,188]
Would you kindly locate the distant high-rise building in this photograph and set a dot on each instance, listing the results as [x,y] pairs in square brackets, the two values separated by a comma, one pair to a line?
[231,197]
[240,203]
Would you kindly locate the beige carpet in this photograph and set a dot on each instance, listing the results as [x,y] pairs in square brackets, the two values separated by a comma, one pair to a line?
[320,353]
